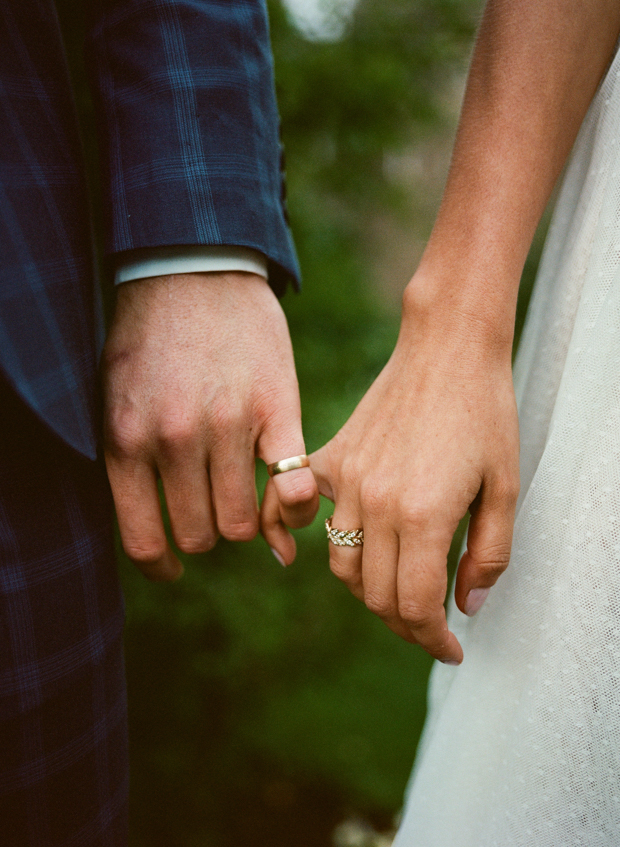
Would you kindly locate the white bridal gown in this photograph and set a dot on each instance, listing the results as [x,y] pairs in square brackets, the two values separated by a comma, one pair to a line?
[522,741]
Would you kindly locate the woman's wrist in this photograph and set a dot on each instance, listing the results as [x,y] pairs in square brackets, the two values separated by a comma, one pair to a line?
[462,311]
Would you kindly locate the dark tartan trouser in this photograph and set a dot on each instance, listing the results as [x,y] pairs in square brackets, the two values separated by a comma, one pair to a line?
[63,739]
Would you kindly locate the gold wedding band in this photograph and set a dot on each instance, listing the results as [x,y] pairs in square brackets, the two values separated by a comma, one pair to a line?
[285,465]
[343,537]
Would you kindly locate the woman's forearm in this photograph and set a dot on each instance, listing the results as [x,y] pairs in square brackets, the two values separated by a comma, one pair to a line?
[535,69]
[436,434]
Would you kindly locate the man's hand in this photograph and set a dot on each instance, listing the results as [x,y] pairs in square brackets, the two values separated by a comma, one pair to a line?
[435,435]
[199,379]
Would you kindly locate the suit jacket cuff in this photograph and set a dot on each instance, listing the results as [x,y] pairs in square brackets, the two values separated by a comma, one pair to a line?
[190,259]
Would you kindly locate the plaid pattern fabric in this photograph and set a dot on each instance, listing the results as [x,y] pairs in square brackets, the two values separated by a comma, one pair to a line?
[189,142]
[190,127]
[63,746]
[46,267]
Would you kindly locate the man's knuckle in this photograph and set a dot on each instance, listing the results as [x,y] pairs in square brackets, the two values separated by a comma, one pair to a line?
[297,491]
[176,432]
[147,551]
[225,418]
[239,530]
[124,435]
[195,543]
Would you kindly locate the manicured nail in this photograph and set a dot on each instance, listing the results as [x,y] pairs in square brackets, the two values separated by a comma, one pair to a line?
[451,663]
[475,599]
[278,557]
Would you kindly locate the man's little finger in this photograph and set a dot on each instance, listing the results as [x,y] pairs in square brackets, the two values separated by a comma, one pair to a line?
[298,495]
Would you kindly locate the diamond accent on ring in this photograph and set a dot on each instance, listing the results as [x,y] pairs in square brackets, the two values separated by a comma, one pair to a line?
[344,537]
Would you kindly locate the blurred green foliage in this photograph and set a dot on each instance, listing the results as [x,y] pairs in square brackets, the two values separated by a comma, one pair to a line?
[266,704]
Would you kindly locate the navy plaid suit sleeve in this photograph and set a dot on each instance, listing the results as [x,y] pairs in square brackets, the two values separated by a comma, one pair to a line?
[189,142]
[47,313]
[189,127]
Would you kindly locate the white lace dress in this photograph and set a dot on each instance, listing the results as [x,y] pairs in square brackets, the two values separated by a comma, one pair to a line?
[522,742]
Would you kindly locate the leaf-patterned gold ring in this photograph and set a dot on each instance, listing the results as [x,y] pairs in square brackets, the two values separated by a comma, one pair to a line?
[343,537]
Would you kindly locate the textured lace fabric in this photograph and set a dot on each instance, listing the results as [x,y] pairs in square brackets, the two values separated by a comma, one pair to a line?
[522,741]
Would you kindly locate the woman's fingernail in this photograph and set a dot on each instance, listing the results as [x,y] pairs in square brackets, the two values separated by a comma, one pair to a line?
[475,599]
[278,557]
[451,663]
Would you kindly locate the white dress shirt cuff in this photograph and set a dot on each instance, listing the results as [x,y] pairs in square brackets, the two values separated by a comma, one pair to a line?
[162,261]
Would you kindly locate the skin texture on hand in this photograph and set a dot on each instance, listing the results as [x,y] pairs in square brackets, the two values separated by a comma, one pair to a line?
[199,379]
[435,435]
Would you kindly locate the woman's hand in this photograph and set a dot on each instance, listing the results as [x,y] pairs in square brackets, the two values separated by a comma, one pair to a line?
[435,435]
